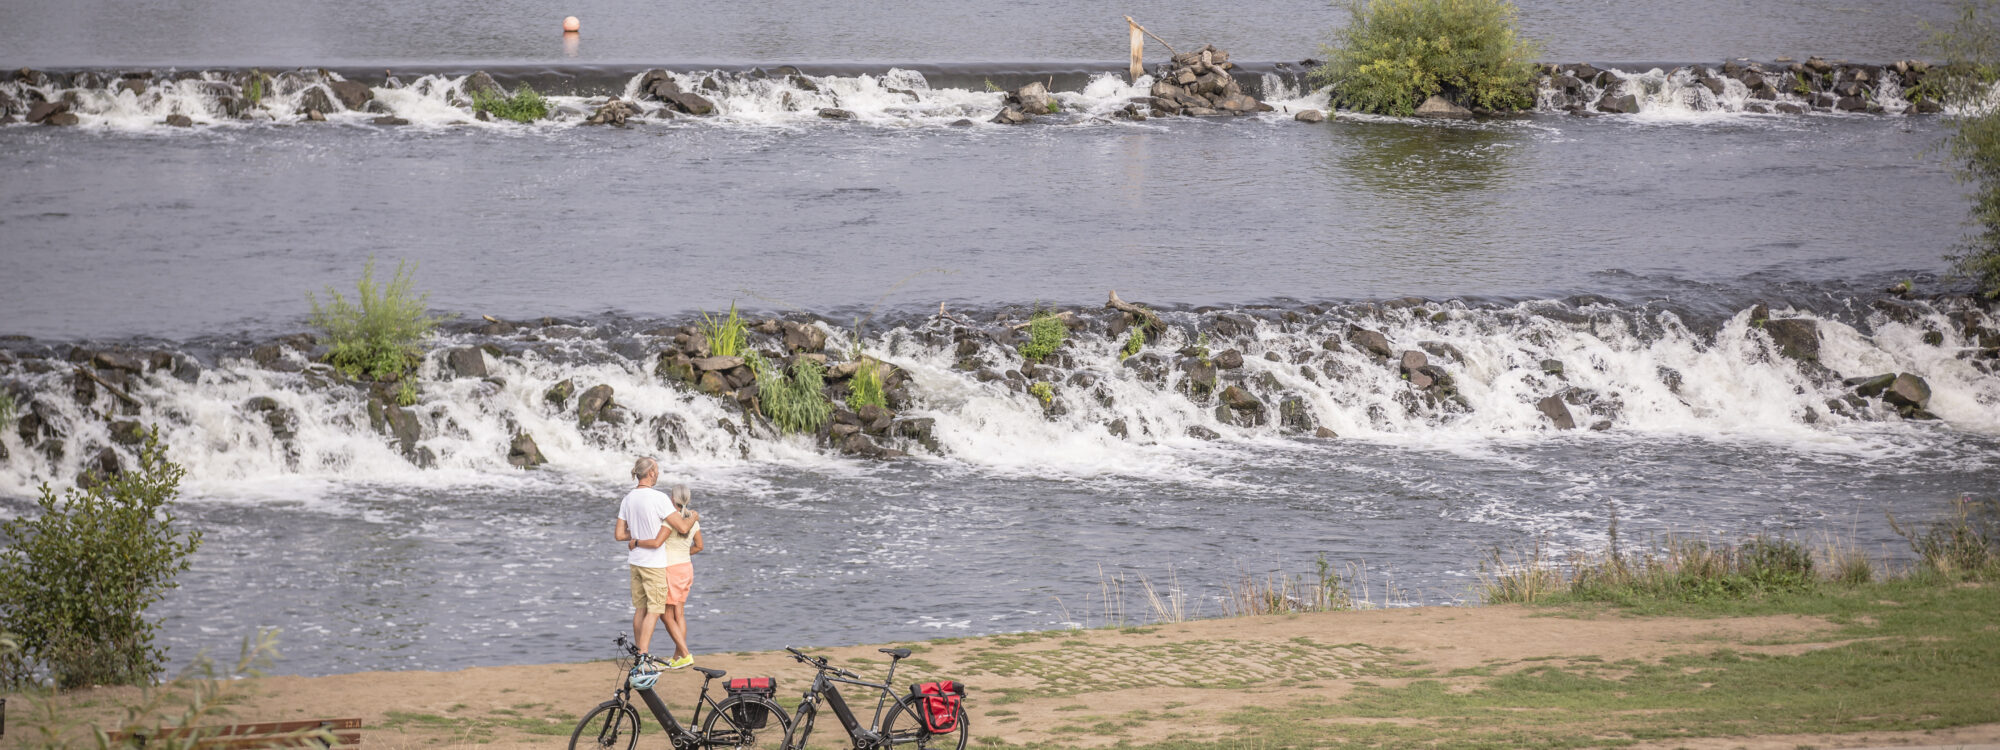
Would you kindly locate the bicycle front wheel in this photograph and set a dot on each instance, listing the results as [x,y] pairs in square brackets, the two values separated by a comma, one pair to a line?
[747,721]
[610,725]
[905,727]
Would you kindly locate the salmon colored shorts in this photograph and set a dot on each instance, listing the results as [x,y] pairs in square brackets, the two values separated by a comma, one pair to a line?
[680,578]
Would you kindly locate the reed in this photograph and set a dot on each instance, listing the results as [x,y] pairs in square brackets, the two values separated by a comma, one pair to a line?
[726,334]
[791,401]
[1324,590]
[865,388]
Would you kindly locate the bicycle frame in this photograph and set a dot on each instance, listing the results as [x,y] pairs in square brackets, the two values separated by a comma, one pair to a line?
[823,685]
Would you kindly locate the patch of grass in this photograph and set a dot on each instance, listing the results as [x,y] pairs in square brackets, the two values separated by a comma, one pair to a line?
[792,401]
[865,388]
[406,392]
[377,334]
[1393,54]
[1283,593]
[1046,333]
[1682,569]
[726,334]
[1073,707]
[524,106]
[1964,545]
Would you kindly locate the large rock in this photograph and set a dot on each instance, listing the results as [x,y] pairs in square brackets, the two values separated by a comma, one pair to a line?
[315,99]
[466,362]
[523,452]
[803,337]
[398,423]
[1439,108]
[1413,361]
[922,431]
[1294,416]
[1235,397]
[691,103]
[1310,115]
[1033,99]
[591,406]
[1229,359]
[1616,102]
[42,112]
[481,84]
[354,95]
[284,423]
[1797,338]
[559,393]
[1372,342]
[128,432]
[1556,412]
[719,364]
[1908,392]
[1872,386]
[614,113]
[1011,116]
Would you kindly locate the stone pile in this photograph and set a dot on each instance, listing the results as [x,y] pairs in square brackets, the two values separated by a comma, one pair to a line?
[1783,88]
[1199,84]
[1024,104]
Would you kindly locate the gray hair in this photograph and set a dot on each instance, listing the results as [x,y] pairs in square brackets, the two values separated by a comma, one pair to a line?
[646,465]
[681,496]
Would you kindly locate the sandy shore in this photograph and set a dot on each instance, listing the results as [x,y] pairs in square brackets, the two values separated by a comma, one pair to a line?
[1039,688]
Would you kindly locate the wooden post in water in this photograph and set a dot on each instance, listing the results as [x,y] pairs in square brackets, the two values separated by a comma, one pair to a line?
[1138,49]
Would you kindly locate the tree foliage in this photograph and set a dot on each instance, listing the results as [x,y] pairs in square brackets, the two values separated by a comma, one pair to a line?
[1970,48]
[77,578]
[1394,54]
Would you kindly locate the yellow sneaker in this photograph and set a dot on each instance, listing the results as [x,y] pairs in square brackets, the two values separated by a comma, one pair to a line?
[681,663]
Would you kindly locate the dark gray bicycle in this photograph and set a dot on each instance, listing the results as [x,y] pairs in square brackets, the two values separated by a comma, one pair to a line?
[932,715]
[747,718]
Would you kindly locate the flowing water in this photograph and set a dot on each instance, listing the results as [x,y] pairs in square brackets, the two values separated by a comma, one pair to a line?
[1629,247]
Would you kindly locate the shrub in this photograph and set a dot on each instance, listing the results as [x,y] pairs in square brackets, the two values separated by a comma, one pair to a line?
[865,388]
[1393,54]
[726,335]
[792,402]
[1046,333]
[1044,391]
[524,106]
[376,335]
[76,580]
[1133,343]
[1971,50]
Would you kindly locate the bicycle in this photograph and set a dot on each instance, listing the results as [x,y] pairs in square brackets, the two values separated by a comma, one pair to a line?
[744,717]
[904,725]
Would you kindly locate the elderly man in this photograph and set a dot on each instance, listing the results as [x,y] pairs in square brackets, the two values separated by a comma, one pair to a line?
[644,519]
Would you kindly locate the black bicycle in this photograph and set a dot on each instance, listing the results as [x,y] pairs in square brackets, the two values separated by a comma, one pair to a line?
[920,719]
[746,718]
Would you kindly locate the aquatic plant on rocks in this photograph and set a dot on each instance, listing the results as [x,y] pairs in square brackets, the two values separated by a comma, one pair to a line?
[1046,333]
[865,387]
[1393,55]
[525,105]
[725,334]
[792,401]
[378,334]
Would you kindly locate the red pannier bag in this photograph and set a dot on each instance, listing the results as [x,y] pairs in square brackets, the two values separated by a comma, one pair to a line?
[751,716]
[938,703]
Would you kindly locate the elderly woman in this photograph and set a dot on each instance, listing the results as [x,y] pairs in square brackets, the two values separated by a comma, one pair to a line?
[678,541]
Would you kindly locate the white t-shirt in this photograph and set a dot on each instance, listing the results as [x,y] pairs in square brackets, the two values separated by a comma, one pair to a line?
[644,511]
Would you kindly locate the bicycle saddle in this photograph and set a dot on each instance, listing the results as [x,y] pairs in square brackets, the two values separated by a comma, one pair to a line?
[711,673]
[900,653]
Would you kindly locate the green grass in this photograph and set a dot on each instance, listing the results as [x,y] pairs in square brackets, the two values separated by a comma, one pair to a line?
[865,388]
[792,401]
[1392,54]
[1133,343]
[726,335]
[253,90]
[526,105]
[1970,49]
[1046,333]
[379,333]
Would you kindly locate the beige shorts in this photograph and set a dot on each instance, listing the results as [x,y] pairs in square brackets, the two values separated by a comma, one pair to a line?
[649,589]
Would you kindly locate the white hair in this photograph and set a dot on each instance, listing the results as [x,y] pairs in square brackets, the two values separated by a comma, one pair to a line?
[646,465]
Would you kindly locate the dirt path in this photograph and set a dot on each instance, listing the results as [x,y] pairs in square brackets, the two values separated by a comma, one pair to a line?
[1085,688]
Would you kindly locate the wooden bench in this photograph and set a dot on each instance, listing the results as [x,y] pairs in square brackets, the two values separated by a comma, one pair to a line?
[262,734]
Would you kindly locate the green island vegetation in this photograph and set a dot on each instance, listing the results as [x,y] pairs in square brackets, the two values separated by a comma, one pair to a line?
[1133,343]
[1046,333]
[791,400]
[725,334]
[253,90]
[1970,48]
[865,387]
[1394,54]
[378,334]
[525,105]
[77,578]
[1043,391]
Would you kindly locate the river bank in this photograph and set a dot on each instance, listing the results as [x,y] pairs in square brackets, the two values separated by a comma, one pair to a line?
[1891,664]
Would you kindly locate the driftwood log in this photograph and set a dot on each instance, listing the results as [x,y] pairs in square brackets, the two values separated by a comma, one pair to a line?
[115,391]
[1154,327]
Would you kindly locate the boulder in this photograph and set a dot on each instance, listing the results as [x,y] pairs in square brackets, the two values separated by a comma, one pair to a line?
[118,360]
[523,453]
[1552,367]
[1235,397]
[1372,342]
[1309,115]
[1199,432]
[179,121]
[1616,102]
[590,407]
[1294,416]
[283,422]
[559,393]
[614,112]
[43,111]
[1557,412]
[1229,359]
[101,468]
[1413,361]
[355,95]
[1439,108]
[922,431]
[1797,338]
[390,120]
[691,103]
[717,364]
[1011,116]
[658,85]
[1033,99]
[1324,433]
[875,420]
[127,432]
[803,337]
[315,99]
[466,362]
[835,113]
[676,367]
[1908,392]
[480,83]
[399,424]
[1873,386]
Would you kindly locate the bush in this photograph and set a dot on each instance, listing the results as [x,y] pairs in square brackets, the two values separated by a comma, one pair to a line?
[865,388]
[1971,50]
[1962,545]
[793,403]
[725,335]
[76,580]
[524,106]
[377,335]
[1046,333]
[1043,391]
[1393,54]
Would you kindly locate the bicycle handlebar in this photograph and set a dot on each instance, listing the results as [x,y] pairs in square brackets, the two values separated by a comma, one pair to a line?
[819,662]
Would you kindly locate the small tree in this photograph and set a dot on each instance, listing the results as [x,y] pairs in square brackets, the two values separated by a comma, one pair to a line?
[76,579]
[378,334]
[1394,54]
[1971,50]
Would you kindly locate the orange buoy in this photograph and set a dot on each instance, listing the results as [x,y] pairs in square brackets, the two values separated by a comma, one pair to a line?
[571,24]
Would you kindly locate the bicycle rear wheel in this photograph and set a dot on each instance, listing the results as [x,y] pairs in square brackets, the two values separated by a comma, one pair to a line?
[905,727]
[735,723]
[610,725]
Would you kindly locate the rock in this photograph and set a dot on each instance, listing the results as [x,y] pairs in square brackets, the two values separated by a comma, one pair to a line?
[118,360]
[859,445]
[283,422]
[676,367]
[691,103]
[717,364]
[1199,432]
[354,95]
[1797,338]
[1552,367]
[590,407]
[614,113]
[390,120]
[398,423]
[1118,428]
[1872,387]
[127,432]
[1413,361]
[1557,413]
[1439,108]
[1236,398]
[803,337]
[1371,341]
[834,113]
[1851,104]
[1324,433]
[922,431]
[559,393]
[1908,392]
[480,83]
[1229,359]
[523,453]
[1034,99]
[1616,102]
[1714,85]
[1011,116]
[1309,115]
[315,99]
[179,121]
[466,362]
[1294,416]
[41,112]
[875,420]
[101,468]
